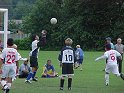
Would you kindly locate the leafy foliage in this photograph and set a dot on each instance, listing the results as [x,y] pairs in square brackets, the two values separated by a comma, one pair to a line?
[24,44]
[87,22]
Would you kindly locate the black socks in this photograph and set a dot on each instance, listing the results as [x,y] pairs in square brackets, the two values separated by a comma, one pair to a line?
[62,83]
[69,82]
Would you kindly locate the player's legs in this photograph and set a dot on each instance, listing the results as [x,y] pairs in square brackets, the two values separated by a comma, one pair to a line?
[107,71]
[76,64]
[106,79]
[8,74]
[70,73]
[64,72]
[5,71]
[34,70]
[120,64]
[11,75]
[62,83]
[116,72]
[69,82]
[34,65]
[80,63]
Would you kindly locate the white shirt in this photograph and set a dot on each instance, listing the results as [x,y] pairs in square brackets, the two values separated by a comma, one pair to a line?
[111,56]
[35,48]
[68,56]
[10,56]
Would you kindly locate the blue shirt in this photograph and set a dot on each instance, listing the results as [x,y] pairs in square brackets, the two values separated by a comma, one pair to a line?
[112,46]
[79,53]
[49,69]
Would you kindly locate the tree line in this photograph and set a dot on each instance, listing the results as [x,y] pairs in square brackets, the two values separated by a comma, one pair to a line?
[87,22]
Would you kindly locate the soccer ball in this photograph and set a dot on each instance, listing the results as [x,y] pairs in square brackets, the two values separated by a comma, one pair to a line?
[53,21]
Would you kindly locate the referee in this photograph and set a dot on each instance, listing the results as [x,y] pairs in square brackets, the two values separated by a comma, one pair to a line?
[120,48]
[67,59]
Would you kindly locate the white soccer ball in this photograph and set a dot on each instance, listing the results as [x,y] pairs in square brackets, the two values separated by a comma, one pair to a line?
[53,21]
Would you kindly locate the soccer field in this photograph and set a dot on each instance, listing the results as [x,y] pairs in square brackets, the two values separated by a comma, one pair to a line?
[90,80]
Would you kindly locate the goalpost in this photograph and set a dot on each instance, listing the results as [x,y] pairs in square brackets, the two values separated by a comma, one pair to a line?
[5,26]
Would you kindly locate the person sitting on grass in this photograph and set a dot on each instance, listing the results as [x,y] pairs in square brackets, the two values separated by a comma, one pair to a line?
[48,70]
[24,69]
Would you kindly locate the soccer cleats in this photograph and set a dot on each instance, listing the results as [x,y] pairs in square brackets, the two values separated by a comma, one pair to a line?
[61,88]
[28,81]
[6,91]
[34,79]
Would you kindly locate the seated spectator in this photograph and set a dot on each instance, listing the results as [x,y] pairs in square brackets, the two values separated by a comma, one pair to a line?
[49,71]
[24,69]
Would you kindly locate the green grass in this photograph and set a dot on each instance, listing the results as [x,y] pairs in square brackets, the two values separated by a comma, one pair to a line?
[90,80]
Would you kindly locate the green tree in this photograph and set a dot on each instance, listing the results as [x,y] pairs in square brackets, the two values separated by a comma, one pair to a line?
[87,22]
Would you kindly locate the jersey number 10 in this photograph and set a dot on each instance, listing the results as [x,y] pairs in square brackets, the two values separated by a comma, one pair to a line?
[68,57]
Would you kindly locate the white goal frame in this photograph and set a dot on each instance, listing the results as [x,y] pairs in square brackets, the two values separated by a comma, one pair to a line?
[5,32]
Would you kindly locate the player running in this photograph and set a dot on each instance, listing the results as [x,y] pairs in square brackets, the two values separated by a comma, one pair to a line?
[9,59]
[111,65]
[67,59]
[34,58]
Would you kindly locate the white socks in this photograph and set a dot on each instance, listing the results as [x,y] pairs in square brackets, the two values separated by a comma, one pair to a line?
[5,84]
[9,85]
[107,78]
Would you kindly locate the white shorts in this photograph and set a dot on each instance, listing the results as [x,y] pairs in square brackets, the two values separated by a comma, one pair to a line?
[8,71]
[112,68]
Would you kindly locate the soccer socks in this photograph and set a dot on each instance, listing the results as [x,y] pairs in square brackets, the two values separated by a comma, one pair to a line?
[9,85]
[107,79]
[33,76]
[69,82]
[61,83]
[3,82]
[29,76]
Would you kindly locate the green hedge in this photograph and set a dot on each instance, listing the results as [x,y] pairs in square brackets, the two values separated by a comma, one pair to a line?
[23,44]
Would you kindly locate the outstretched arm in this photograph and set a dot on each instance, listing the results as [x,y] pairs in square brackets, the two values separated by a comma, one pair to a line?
[102,57]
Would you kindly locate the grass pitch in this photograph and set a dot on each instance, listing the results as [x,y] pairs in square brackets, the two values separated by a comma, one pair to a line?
[90,80]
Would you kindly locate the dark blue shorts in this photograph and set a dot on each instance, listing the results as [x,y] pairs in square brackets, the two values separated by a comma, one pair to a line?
[33,62]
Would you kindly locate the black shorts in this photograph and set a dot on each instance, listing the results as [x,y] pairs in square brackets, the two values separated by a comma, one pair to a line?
[67,68]
[33,61]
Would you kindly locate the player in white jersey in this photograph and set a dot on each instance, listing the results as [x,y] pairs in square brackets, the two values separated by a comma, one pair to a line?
[111,65]
[67,59]
[36,44]
[9,59]
[19,58]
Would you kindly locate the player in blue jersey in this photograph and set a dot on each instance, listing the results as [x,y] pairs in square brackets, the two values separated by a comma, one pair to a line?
[49,70]
[79,56]
[67,59]
[36,44]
